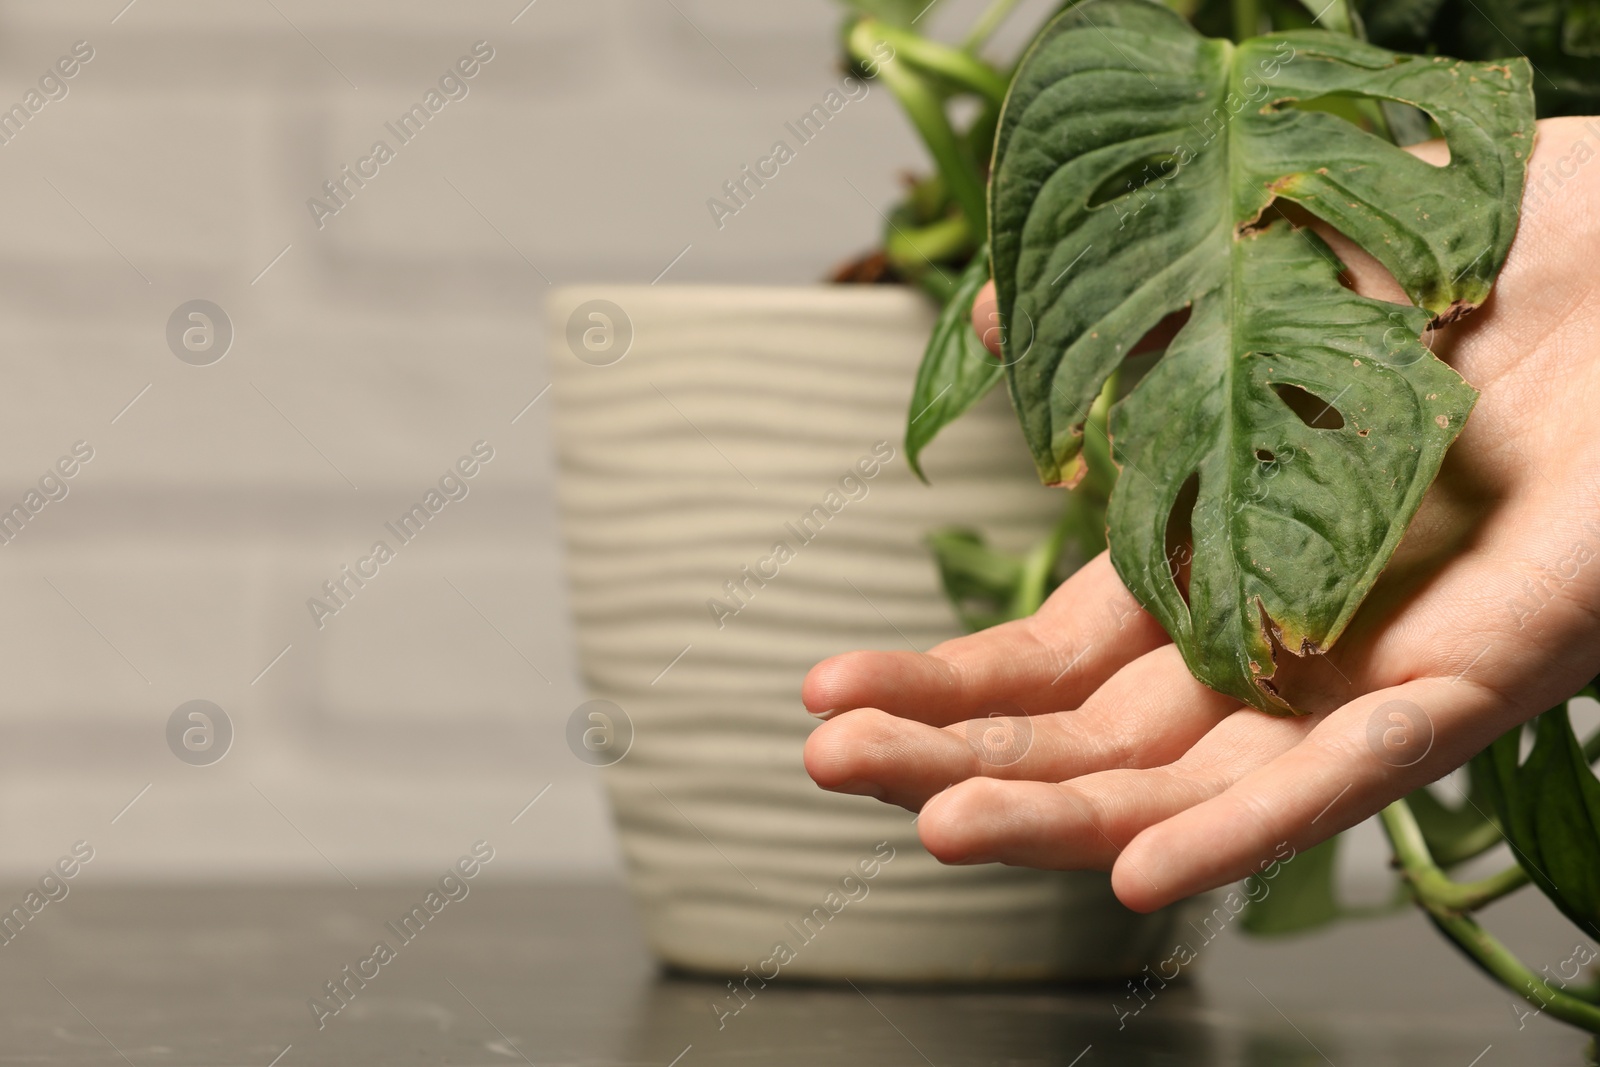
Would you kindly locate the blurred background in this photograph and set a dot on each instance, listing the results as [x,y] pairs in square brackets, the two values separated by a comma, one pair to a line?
[370,349]
[368,354]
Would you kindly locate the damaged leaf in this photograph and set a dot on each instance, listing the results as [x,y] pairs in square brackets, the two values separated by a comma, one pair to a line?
[1135,175]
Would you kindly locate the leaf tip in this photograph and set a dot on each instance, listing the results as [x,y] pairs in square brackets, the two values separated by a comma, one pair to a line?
[912,461]
[1071,473]
[1458,309]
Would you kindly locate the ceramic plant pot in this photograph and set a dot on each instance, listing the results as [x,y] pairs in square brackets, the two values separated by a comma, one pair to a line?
[736,506]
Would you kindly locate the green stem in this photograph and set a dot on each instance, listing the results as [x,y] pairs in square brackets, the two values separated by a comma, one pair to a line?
[1101,472]
[911,248]
[1040,563]
[931,57]
[1425,878]
[1372,111]
[1246,19]
[987,23]
[927,114]
[939,285]
[1083,517]
[1471,896]
[1471,844]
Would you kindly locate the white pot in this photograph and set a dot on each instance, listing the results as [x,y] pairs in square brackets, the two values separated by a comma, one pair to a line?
[700,425]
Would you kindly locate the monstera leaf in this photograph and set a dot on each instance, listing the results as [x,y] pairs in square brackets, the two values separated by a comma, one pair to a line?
[1549,810]
[1273,457]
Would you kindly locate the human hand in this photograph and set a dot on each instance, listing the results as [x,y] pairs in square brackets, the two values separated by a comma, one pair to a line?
[1488,614]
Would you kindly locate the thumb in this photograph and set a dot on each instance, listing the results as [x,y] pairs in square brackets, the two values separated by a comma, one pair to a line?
[986,317]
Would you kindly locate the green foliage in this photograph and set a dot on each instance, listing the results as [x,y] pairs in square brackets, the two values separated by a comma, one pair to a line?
[1455,833]
[1299,899]
[983,585]
[987,587]
[1560,37]
[1549,809]
[1137,166]
[952,97]
[1277,451]
[956,371]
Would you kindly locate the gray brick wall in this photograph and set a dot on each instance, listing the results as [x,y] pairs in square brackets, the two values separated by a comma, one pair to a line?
[365,360]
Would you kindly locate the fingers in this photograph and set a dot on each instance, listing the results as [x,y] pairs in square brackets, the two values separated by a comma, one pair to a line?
[1150,713]
[986,317]
[1351,764]
[1086,631]
[1070,826]
[872,753]
[1088,821]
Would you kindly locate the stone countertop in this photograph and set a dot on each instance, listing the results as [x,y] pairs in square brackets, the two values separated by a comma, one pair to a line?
[543,974]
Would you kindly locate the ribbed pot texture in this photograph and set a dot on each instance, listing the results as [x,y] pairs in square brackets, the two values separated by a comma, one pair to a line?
[717,435]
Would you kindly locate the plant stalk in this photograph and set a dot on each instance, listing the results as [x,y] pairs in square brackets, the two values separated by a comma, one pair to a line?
[932,57]
[1246,19]
[1427,883]
[938,241]
[927,114]
[1040,562]
[1083,516]
[1472,896]
[1470,845]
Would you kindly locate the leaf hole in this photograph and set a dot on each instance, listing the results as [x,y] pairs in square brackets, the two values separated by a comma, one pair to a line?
[1264,456]
[1358,270]
[1162,333]
[1410,125]
[1161,167]
[1180,535]
[1315,412]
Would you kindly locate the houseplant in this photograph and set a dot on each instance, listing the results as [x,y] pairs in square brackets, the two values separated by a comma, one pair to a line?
[735,505]
[1443,244]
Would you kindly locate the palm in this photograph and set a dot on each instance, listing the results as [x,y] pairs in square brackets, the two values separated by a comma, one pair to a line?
[1489,614]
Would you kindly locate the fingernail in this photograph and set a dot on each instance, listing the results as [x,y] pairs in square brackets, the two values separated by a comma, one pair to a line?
[830,713]
[860,787]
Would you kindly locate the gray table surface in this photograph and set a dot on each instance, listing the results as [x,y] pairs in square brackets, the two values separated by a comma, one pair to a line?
[558,974]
